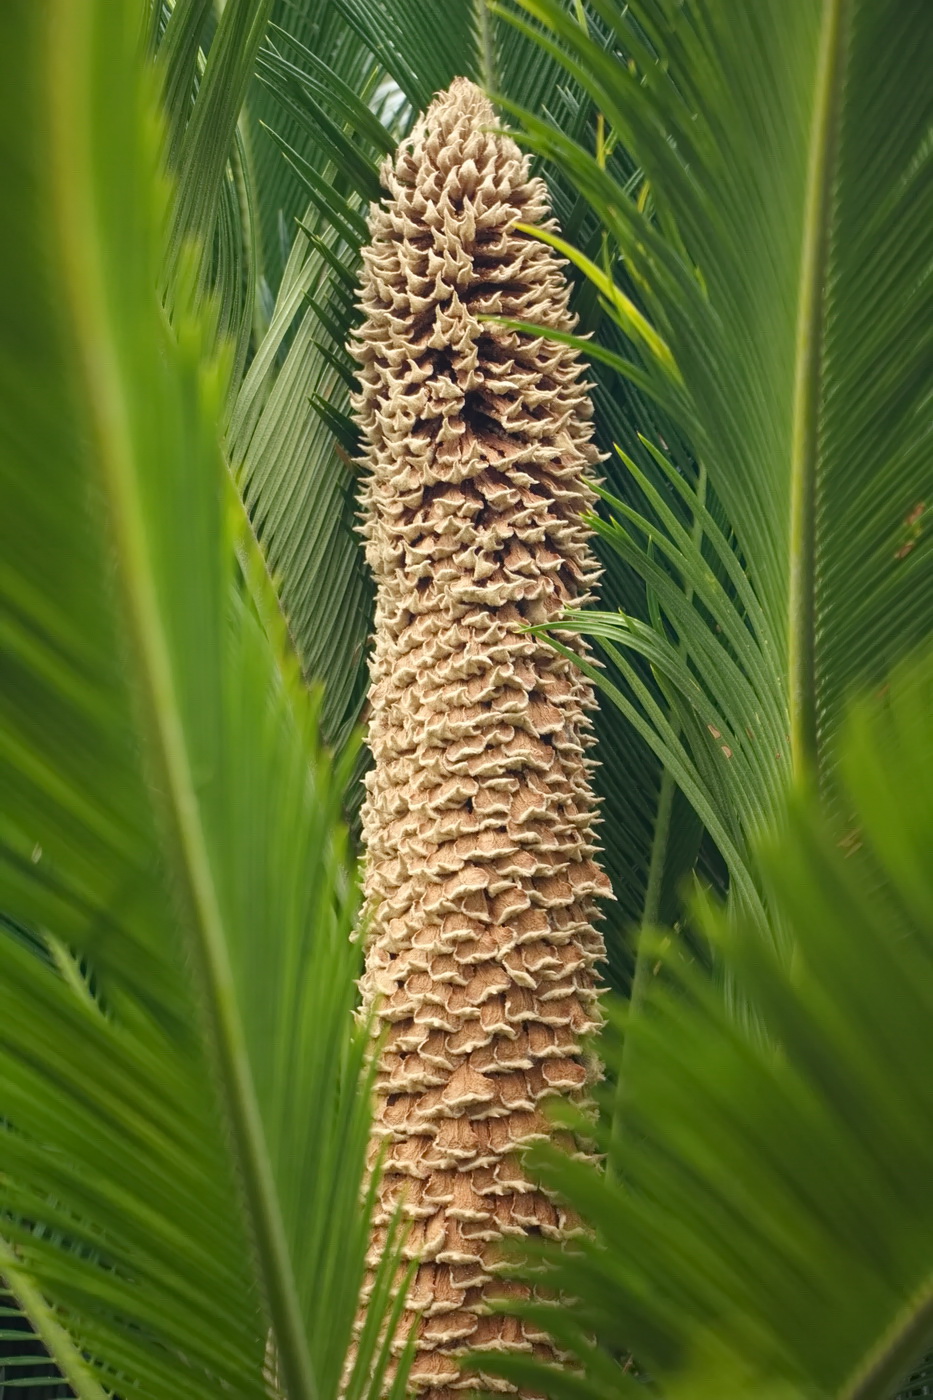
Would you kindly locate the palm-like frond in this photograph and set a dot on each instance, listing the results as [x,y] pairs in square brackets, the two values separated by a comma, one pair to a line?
[297,479]
[24,1361]
[783,260]
[281,200]
[182,1150]
[206,63]
[765,1225]
[291,434]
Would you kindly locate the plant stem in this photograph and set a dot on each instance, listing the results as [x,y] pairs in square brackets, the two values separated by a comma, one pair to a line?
[244,180]
[48,1329]
[910,1337]
[641,974]
[70,971]
[808,375]
[487,55]
[651,908]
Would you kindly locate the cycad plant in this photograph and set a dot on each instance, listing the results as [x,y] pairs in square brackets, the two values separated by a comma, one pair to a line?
[187,1182]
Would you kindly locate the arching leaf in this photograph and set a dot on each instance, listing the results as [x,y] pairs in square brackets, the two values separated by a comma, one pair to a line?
[182,1154]
[785,262]
[764,1227]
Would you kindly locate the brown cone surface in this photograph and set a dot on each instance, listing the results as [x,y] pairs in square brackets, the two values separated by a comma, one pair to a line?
[479,816]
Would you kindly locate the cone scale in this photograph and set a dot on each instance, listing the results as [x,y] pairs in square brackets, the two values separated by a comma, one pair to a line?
[478,821]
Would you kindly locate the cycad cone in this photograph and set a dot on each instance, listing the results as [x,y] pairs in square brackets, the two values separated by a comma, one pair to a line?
[479,816]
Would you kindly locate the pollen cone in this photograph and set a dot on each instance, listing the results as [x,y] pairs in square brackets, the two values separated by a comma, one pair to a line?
[478,821]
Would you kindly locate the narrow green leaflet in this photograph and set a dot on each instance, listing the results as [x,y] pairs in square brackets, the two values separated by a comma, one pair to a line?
[320,30]
[183,1140]
[783,260]
[766,1227]
[204,148]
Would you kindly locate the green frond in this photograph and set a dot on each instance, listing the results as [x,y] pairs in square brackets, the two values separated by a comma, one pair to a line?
[182,1150]
[294,469]
[315,28]
[206,65]
[764,1227]
[784,263]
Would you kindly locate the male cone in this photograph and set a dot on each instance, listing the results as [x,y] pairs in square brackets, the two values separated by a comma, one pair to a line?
[478,821]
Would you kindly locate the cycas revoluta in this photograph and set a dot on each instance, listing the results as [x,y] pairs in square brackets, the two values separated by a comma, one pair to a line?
[478,822]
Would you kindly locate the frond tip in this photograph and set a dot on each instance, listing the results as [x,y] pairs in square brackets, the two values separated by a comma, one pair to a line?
[479,815]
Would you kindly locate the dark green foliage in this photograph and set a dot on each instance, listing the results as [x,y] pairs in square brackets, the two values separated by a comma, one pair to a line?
[296,478]
[765,1221]
[183,1137]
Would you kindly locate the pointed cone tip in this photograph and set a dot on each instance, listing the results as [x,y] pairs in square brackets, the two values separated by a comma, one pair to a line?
[461,98]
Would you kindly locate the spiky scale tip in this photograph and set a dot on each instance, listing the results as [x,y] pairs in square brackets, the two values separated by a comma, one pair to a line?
[478,821]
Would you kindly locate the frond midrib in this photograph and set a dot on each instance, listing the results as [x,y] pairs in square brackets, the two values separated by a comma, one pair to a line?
[808,384]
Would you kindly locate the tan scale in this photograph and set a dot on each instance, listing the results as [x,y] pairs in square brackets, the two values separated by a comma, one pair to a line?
[479,815]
